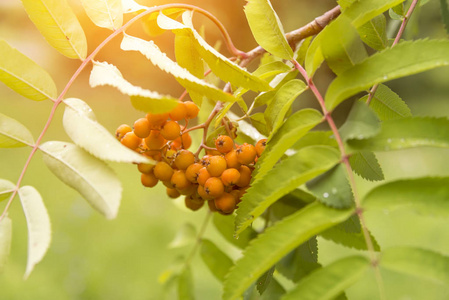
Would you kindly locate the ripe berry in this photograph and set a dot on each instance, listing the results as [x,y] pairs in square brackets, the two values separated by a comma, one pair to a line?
[182,142]
[179,112]
[173,193]
[148,180]
[214,187]
[190,190]
[245,176]
[193,203]
[163,171]
[193,171]
[179,180]
[184,159]
[122,130]
[231,159]
[205,160]
[142,127]
[203,176]
[224,144]
[192,110]
[217,164]
[225,203]
[131,140]
[171,130]
[155,140]
[211,204]
[156,121]
[203,193]
[145,168]
[246,154]
[230,177]
[260,146]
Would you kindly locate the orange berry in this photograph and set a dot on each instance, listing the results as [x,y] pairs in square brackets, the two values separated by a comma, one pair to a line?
[122,130]
[155,140]
[182,142]
[213,152]
[179,112]
[217,164]
[246,154]
[193,171]
[184,159]
[145,168]
[171,130]
[163,171]
[231,159]
[225,203]
[148,180]
[203,176]
[245,176]
[190,190]
[205,160]
[168,184]
[224,144]
[156,121]
[173,193]
[131,140]
[179,180]
[211,204]
[214,187]
[142,128]
[260,146]
[230,177]
[193,203]
[192,110]
[203,193]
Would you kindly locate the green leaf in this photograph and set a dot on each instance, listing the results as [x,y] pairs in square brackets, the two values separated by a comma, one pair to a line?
[296,126]
[301,50]
[330,281]
[407,133]
[295,170]
[425,264]
[185,285]
[333,188]
[276,242]
[267,28]
[215,259]
[397,12]
[402,60]
[185,236]
[313,138]
[341,45]
[354,240]
[374,33]
[24,76]
[281,103]
[6,189]
[58,24]
[361,123]
[38,223]
[365,164]
[425,195]
[218,63]
[289,204]
[445,14]
[258,121]
[361,12]
[149,22]
[91,177]
[268,71]
[387,104]
[105,13]
[82,127]
[13,134]
[301,261]
[225,225]
[314,56]
[5,241]
[159,59]
[264,281]
[144,100]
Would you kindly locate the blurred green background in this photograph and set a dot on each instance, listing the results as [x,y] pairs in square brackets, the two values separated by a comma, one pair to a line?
[93,258]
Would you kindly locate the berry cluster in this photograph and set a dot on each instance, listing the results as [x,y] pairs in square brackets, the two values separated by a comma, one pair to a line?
[220,177]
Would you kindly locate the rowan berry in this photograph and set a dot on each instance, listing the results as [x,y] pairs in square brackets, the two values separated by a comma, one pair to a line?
[184,159]
[224,144]
[230,177]
[191,110]
[122,130]
[182,142]
[179,180]
[163,171]
[173,193]
[225,203]
[155,140]
[245,176]
[202,193]
[190,190]
[148,180]
[142,127]
[193,171]
[205,160]
[203,176]
[231,159]
[214,187]
[193,203]
[179,112]
[211,204]
[260,146]
[145,168]
[212,152]
[156,121]
[216,166]
[131,140]
[171,130]
[170,155]
[168,184]
[246,154]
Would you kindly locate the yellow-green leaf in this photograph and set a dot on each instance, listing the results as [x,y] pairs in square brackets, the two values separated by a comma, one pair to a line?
[6,189]
[104,13]
[13,134]
[5,241]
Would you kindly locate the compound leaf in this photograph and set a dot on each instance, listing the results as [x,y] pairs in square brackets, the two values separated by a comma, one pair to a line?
[267,28]
[5,241]
[331,280]
[295,170]
[91,177]
[38,223]
[104,13]
[58,24]
[348,239]
[6,189]
[276,242]
[150,22]
[24,76]
[314,56]
[374,33]
[361,123]
[82,127]
[365,164]
[225,225]
[361,12]
[215,259]
[404,59]
[13,134]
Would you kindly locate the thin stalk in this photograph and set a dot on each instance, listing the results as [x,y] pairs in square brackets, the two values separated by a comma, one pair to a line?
[199,238]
